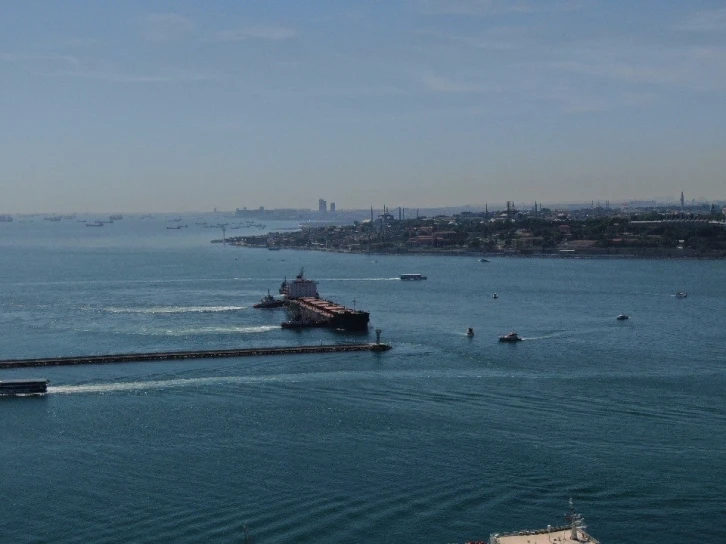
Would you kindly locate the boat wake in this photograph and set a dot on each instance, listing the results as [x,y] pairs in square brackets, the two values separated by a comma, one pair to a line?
[175,309]
[156,384]
[544,336]
[358,279]
[217,330]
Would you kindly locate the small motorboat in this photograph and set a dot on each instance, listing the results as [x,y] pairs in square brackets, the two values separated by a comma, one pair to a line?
[495,295]
[482,260]
[622,317]
[681,294]
[511,337]
[470,331]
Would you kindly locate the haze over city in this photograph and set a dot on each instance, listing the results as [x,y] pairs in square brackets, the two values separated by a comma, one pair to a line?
[173,106]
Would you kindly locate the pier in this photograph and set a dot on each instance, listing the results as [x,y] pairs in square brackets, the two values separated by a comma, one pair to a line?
[183,355]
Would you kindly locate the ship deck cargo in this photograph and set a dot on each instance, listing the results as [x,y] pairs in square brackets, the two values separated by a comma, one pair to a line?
[573,533]
[560,535]
[329,314]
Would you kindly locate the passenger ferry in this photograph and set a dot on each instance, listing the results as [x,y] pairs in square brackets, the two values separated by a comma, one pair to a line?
[23,387]
[412,277]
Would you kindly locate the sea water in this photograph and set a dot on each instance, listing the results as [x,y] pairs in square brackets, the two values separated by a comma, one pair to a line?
[442,439]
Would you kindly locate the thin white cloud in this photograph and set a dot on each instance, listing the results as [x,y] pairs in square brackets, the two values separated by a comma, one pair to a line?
[166,27]
[120,77]
[78,42]
[53,65]
[37,59]
[706,21]
[440,84]
[497,38]
[258,32]
[494,7]
[689,67]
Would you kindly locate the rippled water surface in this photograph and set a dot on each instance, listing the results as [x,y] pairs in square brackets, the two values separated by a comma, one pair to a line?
[442,439]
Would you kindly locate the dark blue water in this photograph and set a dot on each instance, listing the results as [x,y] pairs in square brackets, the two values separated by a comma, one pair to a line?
[442,439]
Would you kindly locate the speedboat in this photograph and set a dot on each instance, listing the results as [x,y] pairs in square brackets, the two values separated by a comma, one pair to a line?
[482,260]
[495,295]
[511,337]
[622,317]
[681,294]
[470,331]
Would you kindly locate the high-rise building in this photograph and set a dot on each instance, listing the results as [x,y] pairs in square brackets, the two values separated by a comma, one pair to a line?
[322,206]
[332,207]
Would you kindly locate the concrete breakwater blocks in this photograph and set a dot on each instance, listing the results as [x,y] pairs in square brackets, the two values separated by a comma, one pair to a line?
[181,355]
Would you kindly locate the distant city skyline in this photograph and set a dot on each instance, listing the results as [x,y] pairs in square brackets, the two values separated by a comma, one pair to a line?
[186,106]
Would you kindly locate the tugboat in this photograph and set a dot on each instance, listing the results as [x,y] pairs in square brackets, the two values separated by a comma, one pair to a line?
[268,301]
[470,331]
[622,317]
[511,337]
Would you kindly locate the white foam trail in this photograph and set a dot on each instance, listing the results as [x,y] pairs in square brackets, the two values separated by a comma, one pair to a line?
[358,279]
[220,330]
[280,378]
[175,309]
[158,384]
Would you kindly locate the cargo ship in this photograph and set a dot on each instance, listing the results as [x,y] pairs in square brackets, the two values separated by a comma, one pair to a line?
[309,310]
[572,533]
[23,387]
[319,312]
[299,287]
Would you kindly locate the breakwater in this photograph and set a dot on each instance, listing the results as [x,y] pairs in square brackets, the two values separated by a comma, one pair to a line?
[181,355]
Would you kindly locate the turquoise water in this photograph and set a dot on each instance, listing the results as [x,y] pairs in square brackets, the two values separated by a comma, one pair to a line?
[442,439]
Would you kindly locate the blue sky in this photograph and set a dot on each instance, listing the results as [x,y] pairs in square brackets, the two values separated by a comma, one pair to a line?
[187,105]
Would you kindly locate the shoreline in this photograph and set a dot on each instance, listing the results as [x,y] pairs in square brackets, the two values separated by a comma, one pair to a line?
[507,254]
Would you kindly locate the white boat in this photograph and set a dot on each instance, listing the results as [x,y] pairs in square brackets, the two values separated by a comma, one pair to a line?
[511,337]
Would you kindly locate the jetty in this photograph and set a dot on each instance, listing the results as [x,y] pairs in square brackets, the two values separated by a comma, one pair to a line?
[195,354]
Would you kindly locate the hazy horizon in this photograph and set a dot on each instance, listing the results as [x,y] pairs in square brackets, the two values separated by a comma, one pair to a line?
[176,107]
